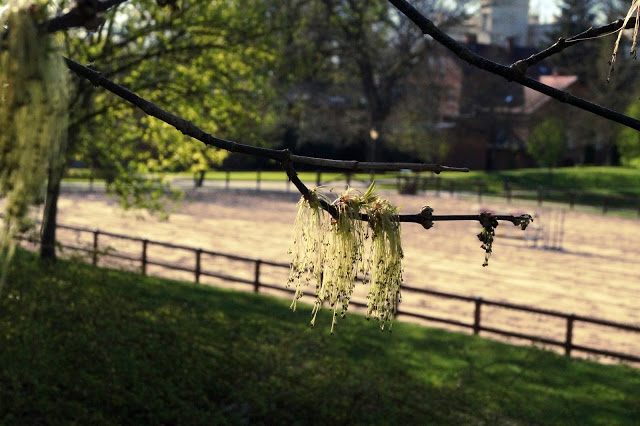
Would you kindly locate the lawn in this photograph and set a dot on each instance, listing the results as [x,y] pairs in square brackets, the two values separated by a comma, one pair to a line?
[95,346]
[246,175]
[601,180]
[614,181]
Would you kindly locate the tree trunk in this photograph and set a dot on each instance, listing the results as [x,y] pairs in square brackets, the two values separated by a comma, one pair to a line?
[57,167]
[49,219]
[198,178]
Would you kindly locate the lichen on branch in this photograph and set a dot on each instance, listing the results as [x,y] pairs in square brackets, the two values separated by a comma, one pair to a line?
[33,115]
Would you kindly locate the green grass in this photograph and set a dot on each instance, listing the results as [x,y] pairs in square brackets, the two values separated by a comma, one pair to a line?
[82,345]
[603,180]
[273,176]
[615,187]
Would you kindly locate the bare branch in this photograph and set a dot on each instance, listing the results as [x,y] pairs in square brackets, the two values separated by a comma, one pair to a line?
[79,16]
[425,218]
[562,43]
[509,73]
[282,156]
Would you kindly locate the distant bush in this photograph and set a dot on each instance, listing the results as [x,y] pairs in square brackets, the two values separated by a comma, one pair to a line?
[629,140]
[547,142]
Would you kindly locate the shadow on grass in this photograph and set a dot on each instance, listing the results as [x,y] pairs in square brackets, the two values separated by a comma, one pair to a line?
[87,345]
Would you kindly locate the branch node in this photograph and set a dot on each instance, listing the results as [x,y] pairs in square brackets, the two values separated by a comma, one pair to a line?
[520,66]
[426,217]
[523,221]
[94,76]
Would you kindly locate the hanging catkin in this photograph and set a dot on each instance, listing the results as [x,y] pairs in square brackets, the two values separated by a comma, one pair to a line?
[33,115]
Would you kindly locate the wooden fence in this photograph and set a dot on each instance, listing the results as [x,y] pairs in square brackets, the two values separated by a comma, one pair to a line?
[510,191]
[475,325]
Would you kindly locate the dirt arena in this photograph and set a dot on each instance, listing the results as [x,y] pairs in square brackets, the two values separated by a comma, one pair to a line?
[597,273]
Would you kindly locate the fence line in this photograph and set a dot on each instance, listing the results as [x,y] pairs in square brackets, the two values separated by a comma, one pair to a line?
[541,194]
[410,184]
[478,302]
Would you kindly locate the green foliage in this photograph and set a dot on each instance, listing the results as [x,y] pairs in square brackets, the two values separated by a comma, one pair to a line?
[33,116]
[330,252]
[629,139]
[206,62]
[140,350]
[547,142]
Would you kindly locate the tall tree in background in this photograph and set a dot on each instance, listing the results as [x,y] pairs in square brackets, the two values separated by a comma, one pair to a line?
[207,60]
[590,62]
[357,55]
[575,17]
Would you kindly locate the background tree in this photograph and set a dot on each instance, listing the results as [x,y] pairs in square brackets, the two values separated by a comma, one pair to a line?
[629,139]
[547,142]
[356,57]
[590,62]
[208,60]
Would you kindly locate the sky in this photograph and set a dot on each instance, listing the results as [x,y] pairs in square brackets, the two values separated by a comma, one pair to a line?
[546,8]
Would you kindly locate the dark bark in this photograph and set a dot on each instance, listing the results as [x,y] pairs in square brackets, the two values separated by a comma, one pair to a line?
[49,219]
[198,178]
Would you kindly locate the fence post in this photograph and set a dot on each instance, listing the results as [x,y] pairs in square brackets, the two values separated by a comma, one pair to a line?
[318,178]
[348,178]
[143,259]
[540,190]
[258,179]
[451,188]
[507,190]
[568,343]
[605,205]
[572,199]
[96,232]
[198,264]
[227,178]
[256,279]
[476,315]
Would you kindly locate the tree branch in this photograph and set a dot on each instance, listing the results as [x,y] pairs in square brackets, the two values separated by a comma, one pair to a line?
[188,128]
[562,43]
[425,218]
[509,73]
[81,14]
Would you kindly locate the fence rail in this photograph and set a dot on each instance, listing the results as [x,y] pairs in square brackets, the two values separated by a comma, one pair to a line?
[509,191]
[476,325]
[407,183]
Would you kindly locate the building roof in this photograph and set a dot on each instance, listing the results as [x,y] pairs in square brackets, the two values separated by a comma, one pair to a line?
[534,100]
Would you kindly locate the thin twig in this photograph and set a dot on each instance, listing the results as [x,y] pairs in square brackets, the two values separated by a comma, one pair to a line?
[509,73]
[562,43]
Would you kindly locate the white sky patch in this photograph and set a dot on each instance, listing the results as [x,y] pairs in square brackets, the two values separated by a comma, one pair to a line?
[547,9]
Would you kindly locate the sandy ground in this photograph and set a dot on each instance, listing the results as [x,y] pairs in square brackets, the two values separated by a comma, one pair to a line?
[597,273]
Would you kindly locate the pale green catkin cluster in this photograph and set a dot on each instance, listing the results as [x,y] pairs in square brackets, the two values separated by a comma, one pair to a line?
[330,252]
[385,262]
[33,114]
